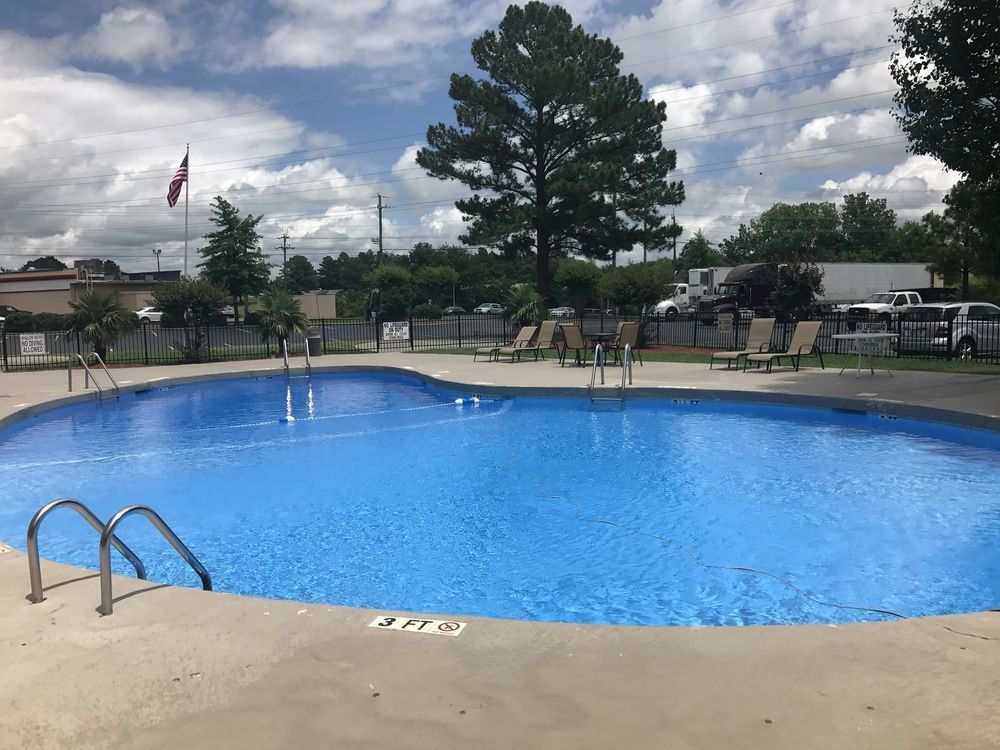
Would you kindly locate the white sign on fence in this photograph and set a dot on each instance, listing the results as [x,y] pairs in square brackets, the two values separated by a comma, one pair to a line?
[725,322]
[399,331]
[33,343]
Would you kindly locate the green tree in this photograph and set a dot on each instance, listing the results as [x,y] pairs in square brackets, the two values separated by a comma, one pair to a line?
[580,281]
[972,205]
[637,285]
[298,275]
[552,132]
[435,283]
[948,69]
[395,289]
[798,286]
[101,319]
[328,276]
[699,253]
[740,248]
[525,306]
[868,226]
[44,263]
[912,242]
[232,257]
[279,315]
[800,233]
[191,305]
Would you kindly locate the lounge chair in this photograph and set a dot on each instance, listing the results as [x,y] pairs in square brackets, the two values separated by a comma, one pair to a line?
[546,332]
[523,339]
[520,344]
[628,335]
[573,339]
[803,343]
[758,342]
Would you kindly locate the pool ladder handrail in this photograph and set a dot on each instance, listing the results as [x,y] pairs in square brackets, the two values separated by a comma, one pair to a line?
[284,347]
[89,375]
[599,359]
[107,600]
[34,563]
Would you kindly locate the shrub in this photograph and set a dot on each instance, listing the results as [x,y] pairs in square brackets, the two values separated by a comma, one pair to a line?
[427,311]
[21,322]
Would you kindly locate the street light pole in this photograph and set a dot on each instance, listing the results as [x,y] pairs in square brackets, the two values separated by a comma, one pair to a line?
[156,252]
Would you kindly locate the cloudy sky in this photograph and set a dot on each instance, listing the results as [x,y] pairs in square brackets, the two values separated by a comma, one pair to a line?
[305,110]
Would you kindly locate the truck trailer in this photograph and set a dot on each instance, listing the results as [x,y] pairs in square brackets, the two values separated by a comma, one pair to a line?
[752,286]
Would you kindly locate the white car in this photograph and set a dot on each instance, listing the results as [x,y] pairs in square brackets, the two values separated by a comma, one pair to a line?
[489,308]
[562,312]
[149,315]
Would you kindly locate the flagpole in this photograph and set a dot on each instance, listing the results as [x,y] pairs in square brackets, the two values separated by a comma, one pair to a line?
[187,160]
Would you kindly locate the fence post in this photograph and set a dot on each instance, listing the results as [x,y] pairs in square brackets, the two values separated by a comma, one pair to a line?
[951,332]
[378,341]
[3,348]
[458,317]
[411,330]
[322,333]
[694,337]
[145,344]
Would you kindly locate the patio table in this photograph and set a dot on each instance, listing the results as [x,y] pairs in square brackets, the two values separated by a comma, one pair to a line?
[869,341]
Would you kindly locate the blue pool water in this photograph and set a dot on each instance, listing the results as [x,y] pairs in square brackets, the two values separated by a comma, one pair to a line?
[385,494]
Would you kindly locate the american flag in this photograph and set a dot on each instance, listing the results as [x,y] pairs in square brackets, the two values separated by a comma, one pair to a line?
[174,191]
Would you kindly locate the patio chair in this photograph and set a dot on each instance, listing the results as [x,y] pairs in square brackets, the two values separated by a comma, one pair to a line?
[546,336]
[803,343]
[573,339]
[628,334]
[758,341]
[520,344]
[522,339]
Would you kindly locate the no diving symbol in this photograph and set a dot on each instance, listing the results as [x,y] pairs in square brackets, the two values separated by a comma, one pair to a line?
[448,627]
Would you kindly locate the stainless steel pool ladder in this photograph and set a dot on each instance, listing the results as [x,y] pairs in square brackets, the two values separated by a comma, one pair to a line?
[599,359]
[108,539]
[89,375]
[34,565]
[108,535]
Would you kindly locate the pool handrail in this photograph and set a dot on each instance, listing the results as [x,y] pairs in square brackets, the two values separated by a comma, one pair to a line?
[107,603]
[34,563]
[89,375]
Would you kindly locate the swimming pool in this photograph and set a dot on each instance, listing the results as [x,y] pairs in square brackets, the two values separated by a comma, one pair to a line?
[383,493]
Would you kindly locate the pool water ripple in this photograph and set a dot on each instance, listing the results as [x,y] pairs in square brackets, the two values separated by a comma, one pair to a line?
[382,493]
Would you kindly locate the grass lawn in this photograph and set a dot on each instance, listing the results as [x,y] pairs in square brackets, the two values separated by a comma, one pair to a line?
[831,360]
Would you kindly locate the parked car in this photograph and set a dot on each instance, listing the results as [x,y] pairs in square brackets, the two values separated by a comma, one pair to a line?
[149,315]
[562,312]
[593,312]
[974,327]
[489,308]
[229,313]
[6,310]
[883,304]
[453,310]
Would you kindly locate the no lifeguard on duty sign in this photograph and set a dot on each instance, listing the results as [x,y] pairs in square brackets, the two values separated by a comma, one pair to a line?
[418,625]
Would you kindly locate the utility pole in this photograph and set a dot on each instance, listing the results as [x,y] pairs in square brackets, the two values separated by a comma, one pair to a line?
[378,240]
[285,247]
[614,229]
[673,240]
[156,252]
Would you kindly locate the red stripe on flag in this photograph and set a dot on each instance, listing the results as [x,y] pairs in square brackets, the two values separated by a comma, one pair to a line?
[174,189]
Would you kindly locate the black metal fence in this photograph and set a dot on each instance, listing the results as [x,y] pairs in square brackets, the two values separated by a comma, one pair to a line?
[926,335]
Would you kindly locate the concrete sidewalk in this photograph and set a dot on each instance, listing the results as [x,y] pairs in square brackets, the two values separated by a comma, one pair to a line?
[176,667]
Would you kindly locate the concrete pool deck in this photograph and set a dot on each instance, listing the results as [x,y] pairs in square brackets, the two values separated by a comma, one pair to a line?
[176,667]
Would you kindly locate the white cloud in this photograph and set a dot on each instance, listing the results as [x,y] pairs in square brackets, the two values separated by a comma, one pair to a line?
[135,36]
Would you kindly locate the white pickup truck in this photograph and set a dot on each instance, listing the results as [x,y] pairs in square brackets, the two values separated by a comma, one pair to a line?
[882,305]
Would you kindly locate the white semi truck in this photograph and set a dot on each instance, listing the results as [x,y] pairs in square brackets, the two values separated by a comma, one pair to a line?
[843,284]
[684,296]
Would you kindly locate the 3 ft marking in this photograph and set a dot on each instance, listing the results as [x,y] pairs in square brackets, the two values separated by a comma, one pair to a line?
[418,625]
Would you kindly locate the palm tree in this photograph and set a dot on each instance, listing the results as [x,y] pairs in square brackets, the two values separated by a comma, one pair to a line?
[525,305]
[101,319]
[279,315]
